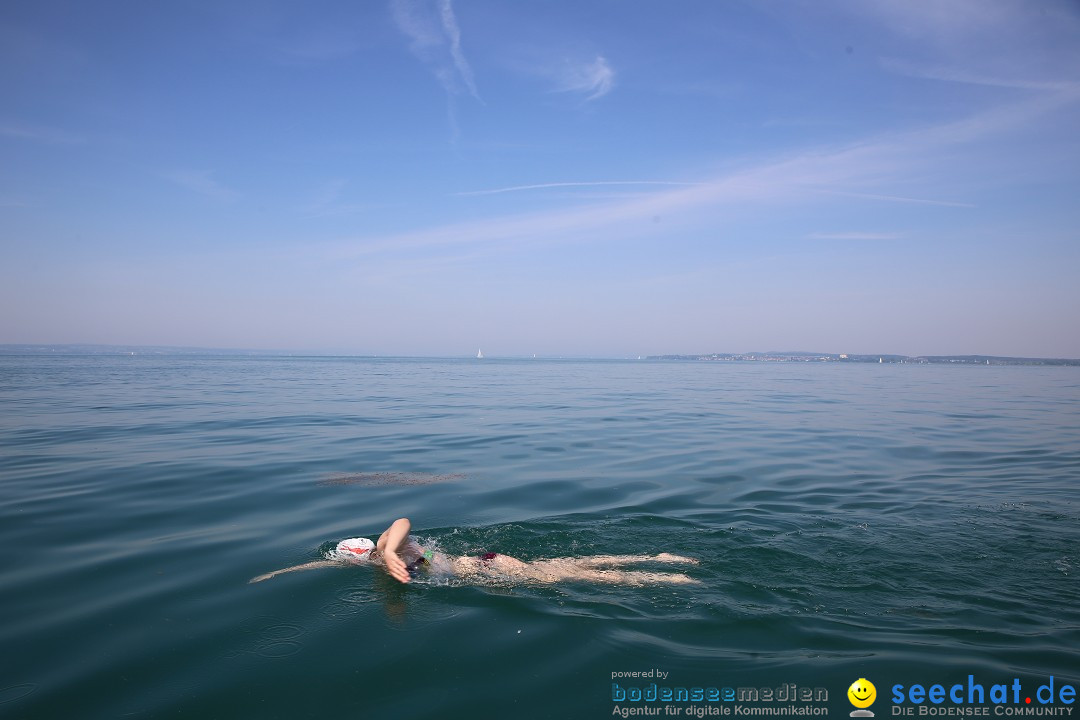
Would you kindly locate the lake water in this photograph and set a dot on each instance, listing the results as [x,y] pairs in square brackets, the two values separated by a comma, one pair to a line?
[901,523]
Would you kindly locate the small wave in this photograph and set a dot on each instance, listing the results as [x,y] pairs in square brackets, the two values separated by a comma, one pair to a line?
[16,692]
[270,637]
[377,479]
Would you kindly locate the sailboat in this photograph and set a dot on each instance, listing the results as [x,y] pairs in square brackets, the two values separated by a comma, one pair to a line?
[479,354]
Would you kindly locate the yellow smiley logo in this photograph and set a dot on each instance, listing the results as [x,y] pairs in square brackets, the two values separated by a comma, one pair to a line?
[862,693]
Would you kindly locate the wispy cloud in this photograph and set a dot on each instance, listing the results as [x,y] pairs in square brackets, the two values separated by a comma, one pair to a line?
[956,75]
[593,78]
[866,170]
[434,37]
[202,182]
[543,186]
[948,22]
[901,199]
[970,32]
[450,27]
[852,236]
[1009,45]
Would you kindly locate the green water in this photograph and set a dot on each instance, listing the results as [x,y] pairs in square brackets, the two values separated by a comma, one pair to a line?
[906,524]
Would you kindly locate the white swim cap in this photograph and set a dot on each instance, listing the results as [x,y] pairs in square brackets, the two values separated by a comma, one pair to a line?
[354,550]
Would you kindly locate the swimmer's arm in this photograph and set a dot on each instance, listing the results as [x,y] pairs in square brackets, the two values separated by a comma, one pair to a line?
[306,566]
[390,544]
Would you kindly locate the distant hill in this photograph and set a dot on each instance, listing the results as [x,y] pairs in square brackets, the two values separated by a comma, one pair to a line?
[847,358]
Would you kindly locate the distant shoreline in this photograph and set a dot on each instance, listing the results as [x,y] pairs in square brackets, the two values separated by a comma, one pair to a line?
[875,359]
[775,357]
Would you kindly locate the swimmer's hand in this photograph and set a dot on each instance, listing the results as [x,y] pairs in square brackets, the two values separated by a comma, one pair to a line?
[396,566]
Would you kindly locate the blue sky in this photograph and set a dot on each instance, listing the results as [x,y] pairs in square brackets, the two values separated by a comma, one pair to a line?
[562,178]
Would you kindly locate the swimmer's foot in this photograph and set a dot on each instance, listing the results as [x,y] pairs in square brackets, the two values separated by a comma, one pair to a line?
[669,558]
[680,579]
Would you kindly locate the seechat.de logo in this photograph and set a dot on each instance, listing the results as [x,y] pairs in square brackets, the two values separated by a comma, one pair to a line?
[862,694]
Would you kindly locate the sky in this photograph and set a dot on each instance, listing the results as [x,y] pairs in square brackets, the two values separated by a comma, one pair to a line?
[589,178]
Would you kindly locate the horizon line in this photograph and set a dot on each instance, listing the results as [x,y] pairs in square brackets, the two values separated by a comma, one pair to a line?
[120,349]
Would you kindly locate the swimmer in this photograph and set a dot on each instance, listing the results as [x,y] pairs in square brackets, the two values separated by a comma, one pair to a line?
[402,556]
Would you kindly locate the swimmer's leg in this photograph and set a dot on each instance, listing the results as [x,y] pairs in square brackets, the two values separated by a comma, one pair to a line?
[549,571]
[306,566]
[558,569]
[594,561]
[618,577]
